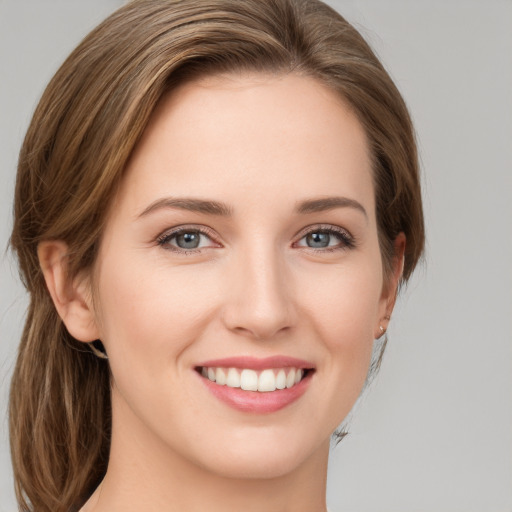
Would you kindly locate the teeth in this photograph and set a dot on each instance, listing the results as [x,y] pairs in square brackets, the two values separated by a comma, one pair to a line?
[220,376]
[267,381]
[290,379]
[281,380]
[233,380]
[250,380]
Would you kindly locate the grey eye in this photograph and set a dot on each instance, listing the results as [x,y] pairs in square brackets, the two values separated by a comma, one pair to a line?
[318,240]
[328,238]
[188,240]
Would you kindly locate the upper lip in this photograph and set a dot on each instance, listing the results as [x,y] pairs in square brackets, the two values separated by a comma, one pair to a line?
[254,363]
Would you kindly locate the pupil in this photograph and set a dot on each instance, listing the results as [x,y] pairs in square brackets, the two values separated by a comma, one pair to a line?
[188,240]
[318,239]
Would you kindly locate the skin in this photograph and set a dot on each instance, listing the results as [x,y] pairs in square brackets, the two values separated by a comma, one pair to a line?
[260,144]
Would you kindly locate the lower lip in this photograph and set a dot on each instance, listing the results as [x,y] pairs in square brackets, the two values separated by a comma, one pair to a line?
[256,401]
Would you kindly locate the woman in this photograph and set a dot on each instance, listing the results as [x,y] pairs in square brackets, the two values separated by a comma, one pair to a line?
[216,203]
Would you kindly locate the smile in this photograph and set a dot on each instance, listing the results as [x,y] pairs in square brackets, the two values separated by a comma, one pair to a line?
[256,386]
[252,380]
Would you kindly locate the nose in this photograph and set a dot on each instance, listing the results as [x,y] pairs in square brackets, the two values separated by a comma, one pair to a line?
[260,301]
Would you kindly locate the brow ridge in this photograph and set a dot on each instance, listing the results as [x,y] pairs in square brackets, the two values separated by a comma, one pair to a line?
[190,204]
[219,208]
[329,203]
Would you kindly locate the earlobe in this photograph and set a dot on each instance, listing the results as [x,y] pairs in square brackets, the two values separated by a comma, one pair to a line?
[71,297]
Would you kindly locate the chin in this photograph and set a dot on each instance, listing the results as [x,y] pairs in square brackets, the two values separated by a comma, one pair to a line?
[260,459]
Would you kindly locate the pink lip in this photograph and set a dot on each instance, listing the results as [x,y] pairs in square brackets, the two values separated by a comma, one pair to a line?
[255,401]
[253,363]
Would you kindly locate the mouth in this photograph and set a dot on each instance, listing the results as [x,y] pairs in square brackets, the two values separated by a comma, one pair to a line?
[247,379]
[256,385]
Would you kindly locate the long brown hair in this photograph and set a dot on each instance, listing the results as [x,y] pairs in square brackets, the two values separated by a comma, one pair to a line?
[82,134]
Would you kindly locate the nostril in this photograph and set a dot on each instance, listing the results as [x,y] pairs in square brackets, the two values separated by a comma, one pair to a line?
[262,332]
[262,309]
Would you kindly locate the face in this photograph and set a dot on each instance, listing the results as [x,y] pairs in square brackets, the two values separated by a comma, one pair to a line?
[241,250]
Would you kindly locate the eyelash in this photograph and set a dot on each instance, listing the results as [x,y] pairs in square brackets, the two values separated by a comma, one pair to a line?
[347,241]
[164,239]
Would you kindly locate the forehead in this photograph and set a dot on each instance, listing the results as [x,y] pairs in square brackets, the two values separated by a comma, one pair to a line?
[254,136]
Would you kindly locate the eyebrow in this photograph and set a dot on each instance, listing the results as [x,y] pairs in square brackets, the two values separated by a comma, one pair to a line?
[211,207]
[329,203]
[190,204]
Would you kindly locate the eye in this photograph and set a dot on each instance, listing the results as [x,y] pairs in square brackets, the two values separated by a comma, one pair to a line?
[187,239]
[328,238]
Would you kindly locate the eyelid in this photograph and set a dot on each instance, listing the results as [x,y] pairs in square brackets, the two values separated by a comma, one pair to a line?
[347,238]
[168,234]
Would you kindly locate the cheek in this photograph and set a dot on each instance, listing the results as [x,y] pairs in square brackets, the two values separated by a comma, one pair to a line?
[343,309]
[345,302]
[151,311]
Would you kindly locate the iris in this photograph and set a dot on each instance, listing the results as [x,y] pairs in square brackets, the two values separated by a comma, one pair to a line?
[318,239]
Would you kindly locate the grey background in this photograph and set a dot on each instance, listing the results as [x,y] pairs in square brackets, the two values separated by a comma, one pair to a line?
[435,431]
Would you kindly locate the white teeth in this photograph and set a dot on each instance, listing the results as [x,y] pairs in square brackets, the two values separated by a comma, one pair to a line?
[250,380]
[267,381]
[290,379]
[233,379]
[220,376]
[281,380]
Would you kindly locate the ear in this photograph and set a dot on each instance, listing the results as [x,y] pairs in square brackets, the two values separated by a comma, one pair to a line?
[72,298]
[390,287]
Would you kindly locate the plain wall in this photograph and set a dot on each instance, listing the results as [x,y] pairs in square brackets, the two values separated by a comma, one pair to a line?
[435,431]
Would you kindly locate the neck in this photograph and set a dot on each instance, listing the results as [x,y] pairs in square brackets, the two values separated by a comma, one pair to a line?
[145,474]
